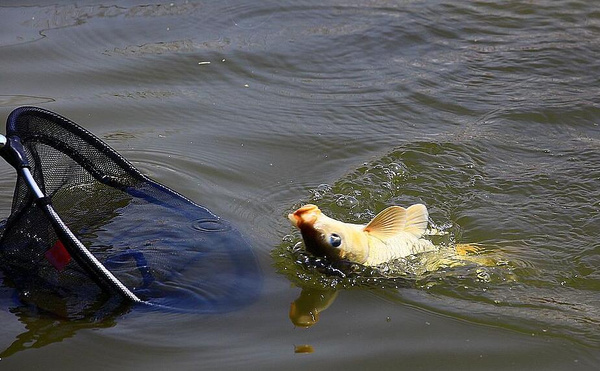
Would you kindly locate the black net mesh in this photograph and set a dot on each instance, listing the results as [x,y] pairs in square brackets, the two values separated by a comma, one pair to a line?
[166,249]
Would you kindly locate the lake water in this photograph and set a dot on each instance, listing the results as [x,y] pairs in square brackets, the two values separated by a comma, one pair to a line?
[487,112]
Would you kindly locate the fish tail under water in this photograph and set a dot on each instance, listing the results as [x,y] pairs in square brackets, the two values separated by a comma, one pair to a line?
[471,252]
[465,249]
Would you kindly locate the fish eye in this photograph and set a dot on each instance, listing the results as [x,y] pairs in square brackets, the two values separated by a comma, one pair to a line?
[335,240]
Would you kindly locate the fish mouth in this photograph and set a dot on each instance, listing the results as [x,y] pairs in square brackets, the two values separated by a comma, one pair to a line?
[307,214]
[294,219]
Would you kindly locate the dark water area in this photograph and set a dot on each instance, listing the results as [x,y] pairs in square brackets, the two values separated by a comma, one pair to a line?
[486,112]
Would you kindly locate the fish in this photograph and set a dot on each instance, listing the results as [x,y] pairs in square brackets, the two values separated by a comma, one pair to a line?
[394,233]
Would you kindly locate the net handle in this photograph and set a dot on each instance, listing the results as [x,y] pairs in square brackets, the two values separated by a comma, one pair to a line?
[12,151]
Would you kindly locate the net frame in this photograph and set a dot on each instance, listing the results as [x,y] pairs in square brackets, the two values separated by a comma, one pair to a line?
[13,152]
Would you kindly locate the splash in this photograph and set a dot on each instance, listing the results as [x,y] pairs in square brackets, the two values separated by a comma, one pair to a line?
[530,272]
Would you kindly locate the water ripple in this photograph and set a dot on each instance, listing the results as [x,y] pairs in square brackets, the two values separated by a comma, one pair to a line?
[525,211]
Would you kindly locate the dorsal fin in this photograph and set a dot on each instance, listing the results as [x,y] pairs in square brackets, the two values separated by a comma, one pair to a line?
[417,218]
[387,223]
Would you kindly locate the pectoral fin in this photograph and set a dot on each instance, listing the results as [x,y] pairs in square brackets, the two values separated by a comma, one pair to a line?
[396,219]
[387,223]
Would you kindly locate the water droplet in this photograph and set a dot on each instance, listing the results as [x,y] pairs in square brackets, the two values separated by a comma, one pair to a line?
[346,201]
[482,275]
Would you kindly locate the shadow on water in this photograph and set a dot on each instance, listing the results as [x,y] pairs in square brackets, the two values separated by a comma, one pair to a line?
[533,274]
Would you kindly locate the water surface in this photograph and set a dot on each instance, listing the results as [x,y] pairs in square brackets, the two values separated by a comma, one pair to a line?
[487,112]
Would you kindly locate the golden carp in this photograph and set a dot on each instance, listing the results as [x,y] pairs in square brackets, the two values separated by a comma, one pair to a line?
[394,233]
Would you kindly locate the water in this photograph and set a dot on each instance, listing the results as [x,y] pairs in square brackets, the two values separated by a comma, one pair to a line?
[487,112]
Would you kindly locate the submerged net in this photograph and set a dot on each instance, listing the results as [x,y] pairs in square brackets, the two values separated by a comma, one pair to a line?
[169,251]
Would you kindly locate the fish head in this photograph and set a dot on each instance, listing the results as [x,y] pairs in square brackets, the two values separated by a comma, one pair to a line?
[327,237]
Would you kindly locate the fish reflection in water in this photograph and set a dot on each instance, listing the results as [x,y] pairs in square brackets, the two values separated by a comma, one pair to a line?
[306,309]
[303,349]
